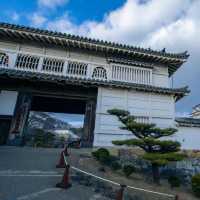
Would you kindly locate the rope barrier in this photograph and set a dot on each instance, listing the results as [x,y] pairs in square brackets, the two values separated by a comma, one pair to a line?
[97,177]
[150,191]
[118,184]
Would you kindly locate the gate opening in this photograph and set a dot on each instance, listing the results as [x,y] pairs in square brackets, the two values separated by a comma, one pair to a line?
[55,121]
[49,129]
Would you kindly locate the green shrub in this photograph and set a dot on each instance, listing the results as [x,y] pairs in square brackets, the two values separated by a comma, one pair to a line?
[128,170]
[196,185]
[174,181]
[39,138]
[102,155]
[115,165]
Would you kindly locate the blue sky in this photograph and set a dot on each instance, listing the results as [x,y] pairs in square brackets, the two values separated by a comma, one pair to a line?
[79,10]
[174,24]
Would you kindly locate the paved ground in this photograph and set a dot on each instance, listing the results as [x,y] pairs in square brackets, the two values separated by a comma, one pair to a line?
[29,174]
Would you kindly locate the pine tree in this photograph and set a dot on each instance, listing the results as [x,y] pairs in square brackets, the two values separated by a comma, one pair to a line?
[147,136]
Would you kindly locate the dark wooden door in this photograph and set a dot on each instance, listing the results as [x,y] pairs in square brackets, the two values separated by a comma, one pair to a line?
[4,130]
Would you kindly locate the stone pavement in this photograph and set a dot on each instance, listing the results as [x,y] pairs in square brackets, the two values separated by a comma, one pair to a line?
[29,174]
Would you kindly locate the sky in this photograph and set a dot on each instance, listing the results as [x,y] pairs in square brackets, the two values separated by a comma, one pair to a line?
[75,120]
[173,24]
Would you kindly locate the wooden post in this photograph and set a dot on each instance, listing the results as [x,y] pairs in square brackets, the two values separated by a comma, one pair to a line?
[120,192]
[177,197]
[20,117]
[88,135]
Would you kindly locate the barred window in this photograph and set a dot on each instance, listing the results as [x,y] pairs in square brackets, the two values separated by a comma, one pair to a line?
[99,73]
[4,59]
[52,65]
[27,62]
[77,68]
[131,74]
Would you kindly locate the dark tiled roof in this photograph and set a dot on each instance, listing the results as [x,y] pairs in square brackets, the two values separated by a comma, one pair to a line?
[24,33]
[129,62]
[188,121]
[33,76]
[183,55]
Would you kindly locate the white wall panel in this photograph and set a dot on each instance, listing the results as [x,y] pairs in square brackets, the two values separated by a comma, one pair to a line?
[160,80]
[189,137]
[160,76]
[108,124]
[7,102]
[112,92]
[158,108]
[56,52]
[31,49]
[163,122]
[106,139]
[8,45]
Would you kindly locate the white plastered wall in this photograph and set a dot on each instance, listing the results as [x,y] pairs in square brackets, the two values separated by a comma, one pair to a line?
[189,137]
[50,52]
[7,102]
[159,73]
[160,76]
[159,109]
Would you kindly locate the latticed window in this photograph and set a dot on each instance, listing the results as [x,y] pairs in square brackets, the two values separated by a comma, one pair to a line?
[131,74]
[27,62]
[52,65]
[4,59]
[99,73]
[77,68]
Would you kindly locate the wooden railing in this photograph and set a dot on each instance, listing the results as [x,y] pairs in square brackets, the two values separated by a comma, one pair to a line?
[75,68]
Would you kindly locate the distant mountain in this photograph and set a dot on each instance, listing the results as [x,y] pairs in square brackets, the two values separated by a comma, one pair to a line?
[46,122]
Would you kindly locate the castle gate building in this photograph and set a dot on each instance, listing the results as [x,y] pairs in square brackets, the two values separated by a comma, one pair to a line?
[56,72]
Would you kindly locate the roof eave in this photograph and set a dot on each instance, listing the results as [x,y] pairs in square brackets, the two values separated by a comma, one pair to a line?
[32,76]
[62,39]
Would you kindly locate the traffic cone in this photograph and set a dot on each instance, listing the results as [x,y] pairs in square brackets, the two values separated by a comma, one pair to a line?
[120,192]
[61,163]
[65,179]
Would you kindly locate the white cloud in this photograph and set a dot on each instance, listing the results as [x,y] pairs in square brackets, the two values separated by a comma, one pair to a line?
[37,19]
[15,17]
[131,23]
[183,114]
[51,3]
[174,24]
[63,24]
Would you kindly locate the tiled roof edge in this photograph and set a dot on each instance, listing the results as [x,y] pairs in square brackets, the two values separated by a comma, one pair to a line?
[183,55]
[188,121]
[178,92]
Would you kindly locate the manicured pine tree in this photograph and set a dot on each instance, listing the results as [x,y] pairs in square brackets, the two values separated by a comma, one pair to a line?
[147,136]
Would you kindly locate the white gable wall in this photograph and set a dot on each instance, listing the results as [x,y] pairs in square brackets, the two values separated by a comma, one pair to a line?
[158,108]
